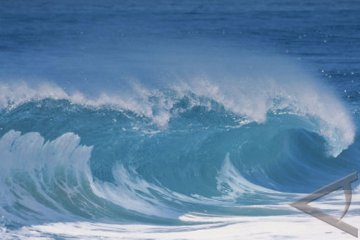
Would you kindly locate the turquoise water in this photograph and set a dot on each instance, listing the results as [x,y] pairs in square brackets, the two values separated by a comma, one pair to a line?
[143,113]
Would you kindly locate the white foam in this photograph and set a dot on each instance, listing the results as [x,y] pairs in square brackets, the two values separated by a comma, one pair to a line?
[280,227]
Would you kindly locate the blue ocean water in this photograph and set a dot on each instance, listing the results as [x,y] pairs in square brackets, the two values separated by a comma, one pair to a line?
[154,113]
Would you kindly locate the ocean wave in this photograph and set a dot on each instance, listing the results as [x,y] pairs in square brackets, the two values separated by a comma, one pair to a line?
[53,180]
[195,147]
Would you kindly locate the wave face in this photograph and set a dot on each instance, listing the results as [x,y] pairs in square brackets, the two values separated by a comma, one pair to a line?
[164,154]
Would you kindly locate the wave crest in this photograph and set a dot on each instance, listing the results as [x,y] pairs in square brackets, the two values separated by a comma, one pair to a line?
[252,103]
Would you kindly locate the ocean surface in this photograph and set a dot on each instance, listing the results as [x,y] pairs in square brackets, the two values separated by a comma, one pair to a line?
[176,119]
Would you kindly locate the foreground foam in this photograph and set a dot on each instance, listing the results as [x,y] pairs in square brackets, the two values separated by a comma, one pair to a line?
[293,227]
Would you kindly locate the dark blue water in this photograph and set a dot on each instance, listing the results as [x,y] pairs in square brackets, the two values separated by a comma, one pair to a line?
[123,111]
